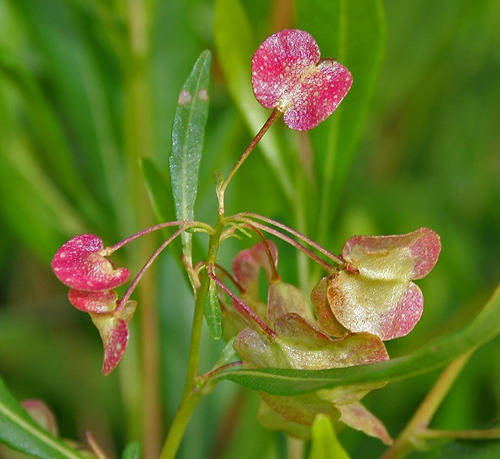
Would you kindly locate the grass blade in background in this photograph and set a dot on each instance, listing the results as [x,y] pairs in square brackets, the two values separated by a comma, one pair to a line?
[20,431]
[188,136]
[325,444]
[352,31]
[235,47]
[434,355]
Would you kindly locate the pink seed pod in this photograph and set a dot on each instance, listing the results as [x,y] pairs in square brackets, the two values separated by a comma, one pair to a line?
[81,264]
[288,74]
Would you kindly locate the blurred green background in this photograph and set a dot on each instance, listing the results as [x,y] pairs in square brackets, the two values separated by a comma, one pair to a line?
[89,87]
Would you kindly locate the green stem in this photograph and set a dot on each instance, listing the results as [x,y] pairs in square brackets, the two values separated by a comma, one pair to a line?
[417,427]
[191,394]
[488,434]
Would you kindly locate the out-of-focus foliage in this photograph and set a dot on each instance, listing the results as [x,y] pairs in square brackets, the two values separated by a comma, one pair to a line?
[81,102]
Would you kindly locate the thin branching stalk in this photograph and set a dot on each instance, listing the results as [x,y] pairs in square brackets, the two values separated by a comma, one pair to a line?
[412,434]
[275,114]
[335,258]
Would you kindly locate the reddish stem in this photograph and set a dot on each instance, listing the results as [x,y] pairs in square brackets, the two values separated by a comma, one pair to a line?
[183,223]
[243,308]
[275,114]
[335,258]
[153,257]
[272,262]
[326,266]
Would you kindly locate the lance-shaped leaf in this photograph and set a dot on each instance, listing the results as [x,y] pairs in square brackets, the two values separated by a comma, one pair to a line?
[81,264]
[299,345]
[288,74]
[358,417]
[429,357]
[325,444]
[380,298]
[212,312]
[18,430]
[188,135]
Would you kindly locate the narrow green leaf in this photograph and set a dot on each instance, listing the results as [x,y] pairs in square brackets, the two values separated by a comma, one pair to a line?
[235,47]
[188,136]
[434,355]
[132,451]
[20,432]
[325,444]
[353,32]
[213,313]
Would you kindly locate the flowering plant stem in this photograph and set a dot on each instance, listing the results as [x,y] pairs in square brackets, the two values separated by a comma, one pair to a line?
[191,393]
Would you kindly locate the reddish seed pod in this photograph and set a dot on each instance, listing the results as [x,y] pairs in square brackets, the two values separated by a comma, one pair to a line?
[81,265]
[288,74]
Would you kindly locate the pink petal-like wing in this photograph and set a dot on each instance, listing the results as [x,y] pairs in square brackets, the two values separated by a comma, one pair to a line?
[248,262]
[94,302]
[279,62]
[80,265]
[114,332]
[317,95]
[402,257]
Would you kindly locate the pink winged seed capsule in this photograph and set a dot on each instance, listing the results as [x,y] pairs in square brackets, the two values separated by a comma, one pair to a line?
[381,299]
[94,302]
[80,264]
[114,332]
[288,74]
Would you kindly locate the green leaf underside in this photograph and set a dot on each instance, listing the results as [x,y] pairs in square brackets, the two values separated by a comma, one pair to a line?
[19,431]
[188,136]
[430,357]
